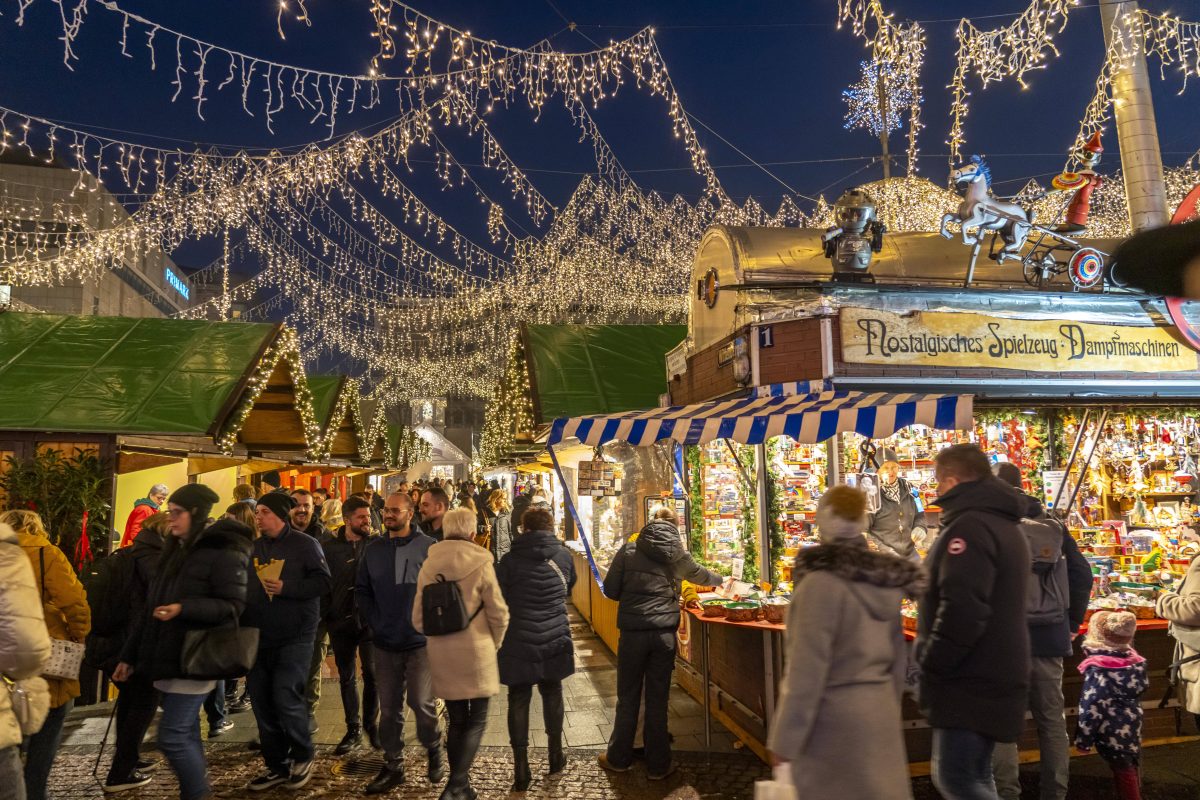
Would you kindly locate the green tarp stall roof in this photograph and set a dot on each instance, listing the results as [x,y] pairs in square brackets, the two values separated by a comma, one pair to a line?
[325,390]
[597,369]
[123,375]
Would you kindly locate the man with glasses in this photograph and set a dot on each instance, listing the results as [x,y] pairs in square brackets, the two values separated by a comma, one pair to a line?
[385,591]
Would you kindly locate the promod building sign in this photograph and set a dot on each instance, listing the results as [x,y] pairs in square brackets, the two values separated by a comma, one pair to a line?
[939,339]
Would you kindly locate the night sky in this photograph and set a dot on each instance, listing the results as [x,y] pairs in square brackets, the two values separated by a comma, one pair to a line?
[766,76]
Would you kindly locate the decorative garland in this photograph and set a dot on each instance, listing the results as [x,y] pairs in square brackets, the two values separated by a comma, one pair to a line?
[750,571]
[286,347]
[774,509]
[695,482]
[1027,450]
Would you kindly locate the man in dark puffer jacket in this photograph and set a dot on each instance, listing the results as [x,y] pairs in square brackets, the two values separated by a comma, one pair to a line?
[972,639]
[644,578]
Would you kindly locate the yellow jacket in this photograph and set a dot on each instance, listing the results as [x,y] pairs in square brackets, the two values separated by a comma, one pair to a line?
[64,603]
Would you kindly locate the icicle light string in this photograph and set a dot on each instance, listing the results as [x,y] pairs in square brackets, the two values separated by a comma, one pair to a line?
[1134,34]
[1010,51]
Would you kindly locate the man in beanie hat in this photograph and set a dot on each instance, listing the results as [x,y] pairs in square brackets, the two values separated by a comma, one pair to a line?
[271,482]
[846,661]
[286,611]
[1053,619]
[1110,713]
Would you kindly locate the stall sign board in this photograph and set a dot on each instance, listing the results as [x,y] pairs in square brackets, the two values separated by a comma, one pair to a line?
[1052,479]
[947,339]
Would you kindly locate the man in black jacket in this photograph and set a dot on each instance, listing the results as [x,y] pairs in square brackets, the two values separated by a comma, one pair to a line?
[1049,644]
[644,579]
[286,611]
[137,702]
[304,519]
[972,641]
[349,636]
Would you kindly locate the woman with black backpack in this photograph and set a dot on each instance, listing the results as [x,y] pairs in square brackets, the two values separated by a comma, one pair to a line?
[200,584]
[536,576]
[462,652]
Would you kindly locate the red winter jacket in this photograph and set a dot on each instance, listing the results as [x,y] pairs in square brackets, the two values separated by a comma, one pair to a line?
[142,510]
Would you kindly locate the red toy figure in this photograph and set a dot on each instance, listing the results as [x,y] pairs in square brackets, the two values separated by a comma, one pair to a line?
[1083,182]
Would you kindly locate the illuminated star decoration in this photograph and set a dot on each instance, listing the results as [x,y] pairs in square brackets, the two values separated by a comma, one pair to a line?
[864,99]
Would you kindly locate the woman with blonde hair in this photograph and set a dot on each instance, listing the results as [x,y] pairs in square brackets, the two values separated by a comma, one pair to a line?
[331,516]
[462,665]
[68,618]
[501,513]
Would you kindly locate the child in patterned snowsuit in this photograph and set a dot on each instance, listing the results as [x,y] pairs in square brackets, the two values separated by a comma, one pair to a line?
[1110,713]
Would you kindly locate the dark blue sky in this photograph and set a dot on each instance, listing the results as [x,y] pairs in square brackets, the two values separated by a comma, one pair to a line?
[767,76]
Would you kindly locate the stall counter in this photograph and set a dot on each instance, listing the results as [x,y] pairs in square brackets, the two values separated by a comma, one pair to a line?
[737,667]
[590,602]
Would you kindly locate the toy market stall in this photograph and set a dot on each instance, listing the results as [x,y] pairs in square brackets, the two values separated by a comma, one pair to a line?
[731,650]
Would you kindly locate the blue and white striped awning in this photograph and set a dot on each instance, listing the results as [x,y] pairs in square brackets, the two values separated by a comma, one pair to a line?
[769,412]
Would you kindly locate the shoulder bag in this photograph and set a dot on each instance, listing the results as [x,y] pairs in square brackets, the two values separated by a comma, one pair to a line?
[66,657]
[221,653]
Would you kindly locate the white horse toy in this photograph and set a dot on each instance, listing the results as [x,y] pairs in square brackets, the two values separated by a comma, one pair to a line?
[980,210]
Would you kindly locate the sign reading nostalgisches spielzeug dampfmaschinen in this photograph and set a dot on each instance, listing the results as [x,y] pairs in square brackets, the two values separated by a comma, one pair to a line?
[944,339]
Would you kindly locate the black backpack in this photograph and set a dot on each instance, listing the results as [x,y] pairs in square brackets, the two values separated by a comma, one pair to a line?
[110,583]
[1048,593]
[443,608]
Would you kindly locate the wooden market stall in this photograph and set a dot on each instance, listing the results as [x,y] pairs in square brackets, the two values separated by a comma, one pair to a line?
[1044,364]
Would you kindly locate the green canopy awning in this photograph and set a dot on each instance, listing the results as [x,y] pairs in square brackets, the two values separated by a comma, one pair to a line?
[325,390]
[597,369]
[123,375]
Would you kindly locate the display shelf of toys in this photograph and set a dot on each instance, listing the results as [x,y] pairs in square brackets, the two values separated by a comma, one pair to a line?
[1136,501]
[800,472]
[723,504]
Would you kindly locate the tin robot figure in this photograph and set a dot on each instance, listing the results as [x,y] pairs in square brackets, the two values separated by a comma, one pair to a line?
[857,236]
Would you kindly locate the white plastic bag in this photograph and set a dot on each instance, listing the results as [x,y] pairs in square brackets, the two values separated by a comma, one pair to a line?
[780,788]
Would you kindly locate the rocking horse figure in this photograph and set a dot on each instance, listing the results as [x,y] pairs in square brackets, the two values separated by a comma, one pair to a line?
[980,210]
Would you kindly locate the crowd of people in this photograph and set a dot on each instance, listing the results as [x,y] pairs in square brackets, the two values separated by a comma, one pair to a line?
[306,572]
[440,595]
[1002,597]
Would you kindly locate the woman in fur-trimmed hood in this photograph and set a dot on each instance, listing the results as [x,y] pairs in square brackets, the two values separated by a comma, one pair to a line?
[838,722]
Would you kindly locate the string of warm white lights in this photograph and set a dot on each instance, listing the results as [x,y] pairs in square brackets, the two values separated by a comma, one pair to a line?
[899,51]
[438,55]
[1175,42]
[1012,50]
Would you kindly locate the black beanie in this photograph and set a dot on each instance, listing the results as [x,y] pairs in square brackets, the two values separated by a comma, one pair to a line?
[279,503]
[197,498]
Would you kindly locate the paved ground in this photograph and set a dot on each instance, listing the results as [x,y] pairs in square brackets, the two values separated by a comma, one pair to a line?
[1171,772]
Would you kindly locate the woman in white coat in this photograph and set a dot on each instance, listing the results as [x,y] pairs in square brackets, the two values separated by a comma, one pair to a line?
[24,648]
[463,665]
[838,724]
[1182,608]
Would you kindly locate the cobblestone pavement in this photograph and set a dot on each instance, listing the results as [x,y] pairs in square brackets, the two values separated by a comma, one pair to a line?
[231,766]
